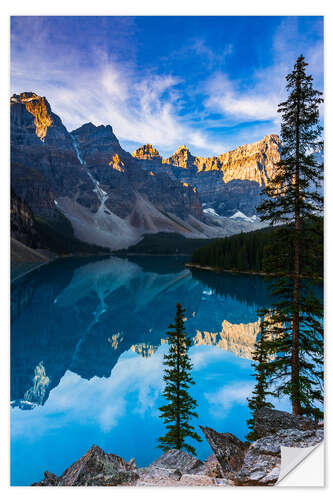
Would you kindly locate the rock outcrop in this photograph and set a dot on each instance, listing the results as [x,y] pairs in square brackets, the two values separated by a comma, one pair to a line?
[181,158]
[95,468]
[147,152]
[228,449]
[268,421]
[233,462]
[259,464]
[172,469]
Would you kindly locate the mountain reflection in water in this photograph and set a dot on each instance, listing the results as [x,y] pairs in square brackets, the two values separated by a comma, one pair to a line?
[87,345]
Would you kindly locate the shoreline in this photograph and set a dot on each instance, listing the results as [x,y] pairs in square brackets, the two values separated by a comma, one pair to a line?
[235,271]
[33,268]
[135,254]
[221,270]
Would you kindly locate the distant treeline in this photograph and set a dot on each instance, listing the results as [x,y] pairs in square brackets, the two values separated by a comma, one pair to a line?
[243,252]
[164,244]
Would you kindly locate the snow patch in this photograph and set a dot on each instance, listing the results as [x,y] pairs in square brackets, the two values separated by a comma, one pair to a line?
[210,211]
[240,215]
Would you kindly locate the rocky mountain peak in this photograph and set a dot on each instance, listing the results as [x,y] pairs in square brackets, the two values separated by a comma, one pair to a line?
[92,139]
[182,148]
[181,158]
[38,107]
[271,137]
[146,152]
[252,162]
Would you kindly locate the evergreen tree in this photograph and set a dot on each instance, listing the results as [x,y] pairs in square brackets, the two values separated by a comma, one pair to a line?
[294,201]
[180,409]
[260,364]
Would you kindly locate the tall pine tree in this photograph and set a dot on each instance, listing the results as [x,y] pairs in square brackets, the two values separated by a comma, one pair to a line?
[260,392]
[177,376]
[294,200]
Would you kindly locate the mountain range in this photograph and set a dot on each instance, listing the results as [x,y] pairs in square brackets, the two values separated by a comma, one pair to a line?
[111,198]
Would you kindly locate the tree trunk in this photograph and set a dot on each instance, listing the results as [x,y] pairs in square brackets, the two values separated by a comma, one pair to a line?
[295,396]
[179,443]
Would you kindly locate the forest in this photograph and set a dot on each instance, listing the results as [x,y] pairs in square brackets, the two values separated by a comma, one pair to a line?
[246,251]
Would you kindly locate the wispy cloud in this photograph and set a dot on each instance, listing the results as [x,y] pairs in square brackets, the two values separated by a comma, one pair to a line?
[257,97]
[204,104]
[228,97]
[141,108]
[225,398]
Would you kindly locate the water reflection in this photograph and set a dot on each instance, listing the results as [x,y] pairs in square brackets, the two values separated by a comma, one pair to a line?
[83,317]
[88,339]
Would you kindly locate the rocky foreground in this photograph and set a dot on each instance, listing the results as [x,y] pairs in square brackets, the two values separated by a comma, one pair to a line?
[233,463]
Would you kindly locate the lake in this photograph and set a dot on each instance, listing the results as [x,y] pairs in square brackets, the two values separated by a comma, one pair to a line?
[87,346]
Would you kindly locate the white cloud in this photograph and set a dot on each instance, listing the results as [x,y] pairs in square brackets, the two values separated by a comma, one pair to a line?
[227,98]
[259,101]
[228,396]
[99,86]
[141,107]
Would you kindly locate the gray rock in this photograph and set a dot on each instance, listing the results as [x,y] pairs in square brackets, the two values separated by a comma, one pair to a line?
[179,460]
[196,480]
[213,467]
[268,421]
[171,468]
[95,468]
[261,466]
[228,449]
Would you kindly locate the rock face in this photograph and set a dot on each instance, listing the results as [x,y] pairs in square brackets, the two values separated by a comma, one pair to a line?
[95,468]
[43,160]
[179,460]
[226,183]
[147,152]
[261,466]
[178,468]
[268,421]
[252,162]
[228,449]
[22,223]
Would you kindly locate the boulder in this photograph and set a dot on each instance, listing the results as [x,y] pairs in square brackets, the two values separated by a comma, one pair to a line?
[179,460]
[261,466]
[168,469]
[213,467]
[196,480]
[268,421]
[228,449]
[95,468]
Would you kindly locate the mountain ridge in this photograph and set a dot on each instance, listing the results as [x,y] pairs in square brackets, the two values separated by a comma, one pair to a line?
[111,197]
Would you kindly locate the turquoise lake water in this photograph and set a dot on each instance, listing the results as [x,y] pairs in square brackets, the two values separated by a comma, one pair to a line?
[87,345]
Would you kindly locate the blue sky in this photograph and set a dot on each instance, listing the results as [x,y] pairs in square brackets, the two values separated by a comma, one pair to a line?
[212,83]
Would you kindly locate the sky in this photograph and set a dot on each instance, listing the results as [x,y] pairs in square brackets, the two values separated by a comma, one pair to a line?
[211,83]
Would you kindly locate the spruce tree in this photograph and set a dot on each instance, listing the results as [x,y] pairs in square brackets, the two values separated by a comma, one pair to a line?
[260,392]
[294,201]
[177,376]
